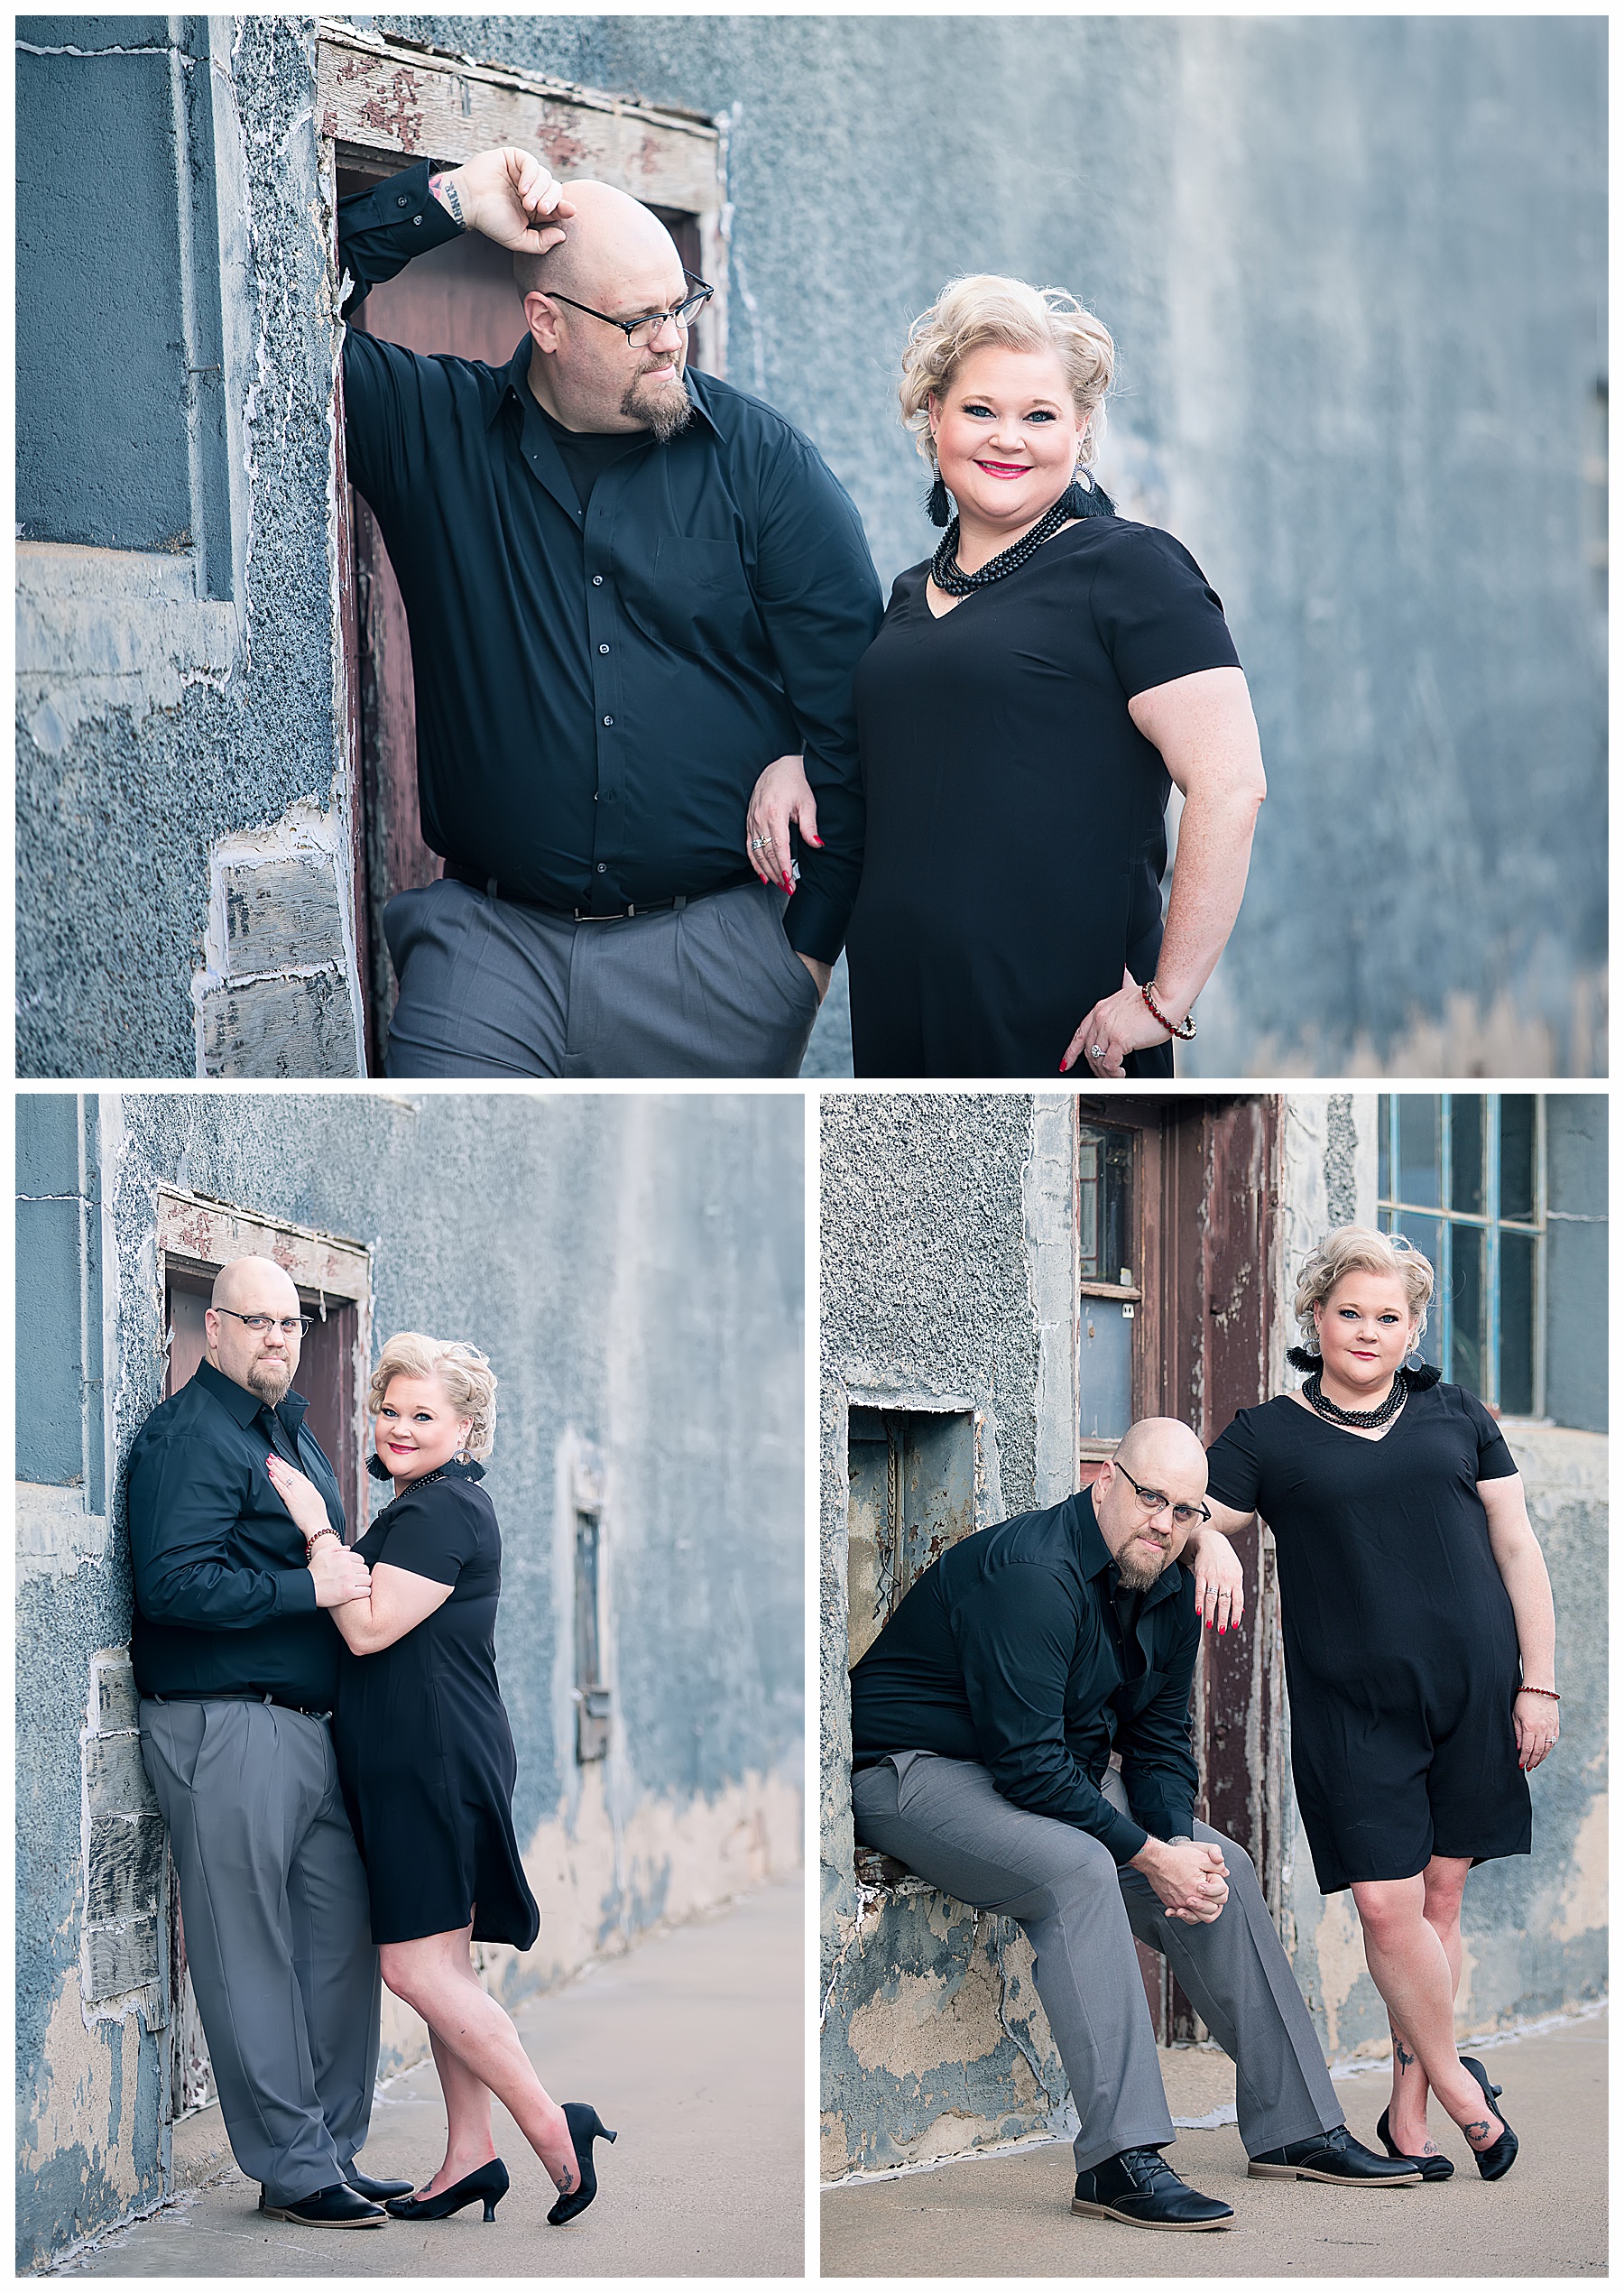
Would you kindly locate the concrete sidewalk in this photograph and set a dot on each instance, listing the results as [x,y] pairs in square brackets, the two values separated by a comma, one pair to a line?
[1009,2215]
[693,2049]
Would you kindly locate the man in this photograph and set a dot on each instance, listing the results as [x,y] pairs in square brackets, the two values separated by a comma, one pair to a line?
[236,1662]
[983,1721]
[630,589]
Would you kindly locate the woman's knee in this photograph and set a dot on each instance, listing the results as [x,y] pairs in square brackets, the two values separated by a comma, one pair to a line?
[1389,1909]
[408,1970]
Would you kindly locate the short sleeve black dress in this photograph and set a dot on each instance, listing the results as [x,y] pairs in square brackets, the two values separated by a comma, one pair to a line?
[425,1753]
[1016,833]
[1401,1654]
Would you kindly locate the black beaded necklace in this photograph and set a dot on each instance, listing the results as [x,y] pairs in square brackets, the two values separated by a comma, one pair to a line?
[1381,1415]
[944,567]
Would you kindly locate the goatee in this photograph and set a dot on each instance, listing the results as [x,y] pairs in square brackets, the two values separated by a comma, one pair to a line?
[1138,1575]
[665,410]
[270,1380]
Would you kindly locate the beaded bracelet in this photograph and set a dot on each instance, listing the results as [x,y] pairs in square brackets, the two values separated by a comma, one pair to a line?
[1184,1033]
[1540,1691]
[311,1542]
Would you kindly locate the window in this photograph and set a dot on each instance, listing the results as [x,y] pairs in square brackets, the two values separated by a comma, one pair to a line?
[593,1703]
[1111,1293]
[912,1478]
[145,465]
[1462,1177]
[382,102]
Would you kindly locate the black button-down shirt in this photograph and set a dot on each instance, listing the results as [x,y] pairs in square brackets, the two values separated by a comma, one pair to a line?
[1011,1650]
[598,689]
[225,1602]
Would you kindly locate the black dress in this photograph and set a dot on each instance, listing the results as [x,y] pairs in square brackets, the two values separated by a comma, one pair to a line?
[1016,833]
[1401,1653]
[425,1753]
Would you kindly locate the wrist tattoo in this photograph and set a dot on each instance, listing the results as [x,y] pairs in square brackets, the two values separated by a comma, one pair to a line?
[445,191]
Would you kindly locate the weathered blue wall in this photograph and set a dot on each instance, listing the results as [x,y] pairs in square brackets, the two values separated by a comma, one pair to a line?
[1355,268]
[634,1267]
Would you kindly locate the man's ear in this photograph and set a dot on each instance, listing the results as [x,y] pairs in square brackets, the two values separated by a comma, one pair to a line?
[542,321]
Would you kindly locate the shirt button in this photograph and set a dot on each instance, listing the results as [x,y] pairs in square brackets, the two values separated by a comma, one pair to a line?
[608,720]
[417,219]
[598,580]
[402,201]
[602,649]
[603,867]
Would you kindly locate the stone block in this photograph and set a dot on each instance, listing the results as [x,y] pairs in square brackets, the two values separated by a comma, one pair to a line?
[115,1782]
[121,1958]
[281,914]
[126,1877]
[118,1707]
[289,1027]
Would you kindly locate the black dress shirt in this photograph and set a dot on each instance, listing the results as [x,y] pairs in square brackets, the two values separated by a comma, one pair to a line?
[1011,1650]
[598,689]
[225,1602]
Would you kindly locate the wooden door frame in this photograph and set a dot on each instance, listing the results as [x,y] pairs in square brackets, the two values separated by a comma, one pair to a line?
[384,101]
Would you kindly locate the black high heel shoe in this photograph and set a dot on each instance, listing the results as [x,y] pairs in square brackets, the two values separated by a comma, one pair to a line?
[585,2127]
[489,2182]
[1499,2156]
[1438,2167]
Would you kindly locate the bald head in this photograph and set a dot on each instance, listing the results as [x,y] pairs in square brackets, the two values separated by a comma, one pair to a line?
[611,240]
[1166,1460]
[261,1361]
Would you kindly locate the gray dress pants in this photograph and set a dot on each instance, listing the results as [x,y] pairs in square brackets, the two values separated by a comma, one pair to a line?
[946,1821]
[278,1935]
[489,987]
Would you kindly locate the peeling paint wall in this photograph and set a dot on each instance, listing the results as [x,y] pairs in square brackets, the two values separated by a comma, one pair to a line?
[633,1266]
[946,1223]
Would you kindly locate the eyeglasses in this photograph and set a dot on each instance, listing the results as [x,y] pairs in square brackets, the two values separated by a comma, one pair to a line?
[641,332]
[1153,1500]
[291,1325]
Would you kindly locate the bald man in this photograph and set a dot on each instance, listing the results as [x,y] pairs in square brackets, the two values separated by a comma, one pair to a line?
[983,1720]
[630,587]
[236,1663]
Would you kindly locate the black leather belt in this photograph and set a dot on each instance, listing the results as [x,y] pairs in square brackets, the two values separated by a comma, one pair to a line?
[237,1696]
[500,890]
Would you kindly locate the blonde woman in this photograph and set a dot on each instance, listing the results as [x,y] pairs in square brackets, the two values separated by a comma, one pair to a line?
[1420,1650]
[426,1760]
[1032,695]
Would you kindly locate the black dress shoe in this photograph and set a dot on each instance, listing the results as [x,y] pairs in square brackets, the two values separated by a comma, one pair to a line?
[488,2183]
[585,2127]
[376,2190]
[1334,2157]
[1435,2167]
[1136,2186]
[1499,2156]
[337,2207]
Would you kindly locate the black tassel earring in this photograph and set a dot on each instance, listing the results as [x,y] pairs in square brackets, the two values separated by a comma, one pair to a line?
[1087,501]
[937,504]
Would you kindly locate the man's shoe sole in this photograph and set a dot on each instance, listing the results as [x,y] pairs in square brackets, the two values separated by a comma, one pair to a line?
[1137,2221]
[356,2221]
[1337,2181]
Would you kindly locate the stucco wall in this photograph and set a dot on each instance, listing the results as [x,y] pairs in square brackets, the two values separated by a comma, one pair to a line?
[634,1267]
[1355,270]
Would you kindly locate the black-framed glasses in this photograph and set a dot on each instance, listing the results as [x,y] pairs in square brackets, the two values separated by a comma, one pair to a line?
[1153,1500]
[641,332]
[290,1325]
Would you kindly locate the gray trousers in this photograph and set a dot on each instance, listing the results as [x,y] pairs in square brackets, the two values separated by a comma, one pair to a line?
[278,1935]
[490,988]
[945,1819]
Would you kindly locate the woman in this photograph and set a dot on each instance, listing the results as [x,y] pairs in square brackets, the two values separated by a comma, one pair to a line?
[1420,1650]
[1030,695]
[426,1759]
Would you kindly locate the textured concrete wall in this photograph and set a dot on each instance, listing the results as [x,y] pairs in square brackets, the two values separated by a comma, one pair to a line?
[1355,270]
[633,1266]
[948,1271]
[155,725]
[1575,1377]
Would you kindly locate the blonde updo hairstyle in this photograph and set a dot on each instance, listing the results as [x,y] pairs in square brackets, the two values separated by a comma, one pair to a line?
[464,1375]
[984,308]
[1361,1250]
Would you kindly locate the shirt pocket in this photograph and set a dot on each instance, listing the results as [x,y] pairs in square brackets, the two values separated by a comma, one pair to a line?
[700,599]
